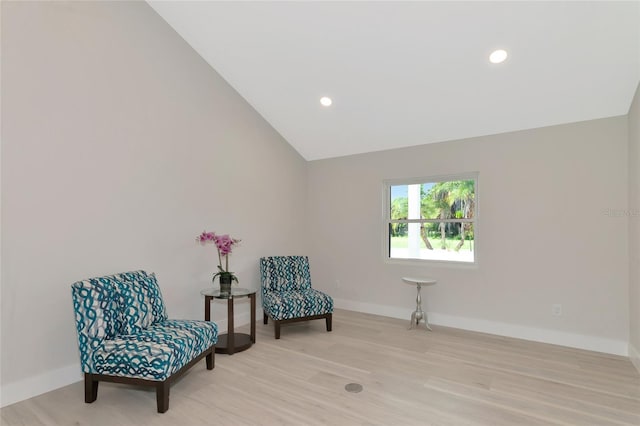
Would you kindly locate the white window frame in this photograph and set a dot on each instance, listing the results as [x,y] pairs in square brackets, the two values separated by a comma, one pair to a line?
[388,183]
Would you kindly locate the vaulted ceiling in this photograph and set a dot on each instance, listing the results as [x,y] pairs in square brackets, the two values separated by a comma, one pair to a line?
[411,73]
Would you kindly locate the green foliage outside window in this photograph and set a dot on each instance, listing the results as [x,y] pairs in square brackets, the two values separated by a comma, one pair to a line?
[440,200]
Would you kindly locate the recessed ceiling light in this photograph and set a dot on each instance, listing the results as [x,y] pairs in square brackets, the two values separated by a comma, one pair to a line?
[498,56]
[326,101]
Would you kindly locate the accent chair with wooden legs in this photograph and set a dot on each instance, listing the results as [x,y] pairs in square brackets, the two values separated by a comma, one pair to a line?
[124,335]
[287,295]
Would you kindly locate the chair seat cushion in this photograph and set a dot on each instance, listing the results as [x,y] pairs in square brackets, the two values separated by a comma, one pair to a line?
[296,304]
[157,352]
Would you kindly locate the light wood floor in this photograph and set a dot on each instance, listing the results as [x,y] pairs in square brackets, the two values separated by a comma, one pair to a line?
[410,377]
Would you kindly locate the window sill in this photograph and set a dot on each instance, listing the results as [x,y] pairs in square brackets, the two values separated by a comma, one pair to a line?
[432,263]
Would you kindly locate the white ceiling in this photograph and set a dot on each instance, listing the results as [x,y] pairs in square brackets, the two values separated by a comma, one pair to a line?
[411,73]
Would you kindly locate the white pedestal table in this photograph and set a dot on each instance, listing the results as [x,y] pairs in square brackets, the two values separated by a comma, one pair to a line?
[419,315]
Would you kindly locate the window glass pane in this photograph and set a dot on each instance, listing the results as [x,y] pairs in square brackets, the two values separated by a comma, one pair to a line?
[398,230]
[432,241]
[443,203]
[447,200]
[399,202]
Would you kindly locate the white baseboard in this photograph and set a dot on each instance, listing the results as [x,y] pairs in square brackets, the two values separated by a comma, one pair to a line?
[634,356]
[37,385]
[46,382]
[561,338]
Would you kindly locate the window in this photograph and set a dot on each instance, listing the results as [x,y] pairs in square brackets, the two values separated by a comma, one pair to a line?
[432,218]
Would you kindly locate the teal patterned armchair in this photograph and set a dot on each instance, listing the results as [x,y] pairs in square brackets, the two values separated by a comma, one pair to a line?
[287,295]
[124,335]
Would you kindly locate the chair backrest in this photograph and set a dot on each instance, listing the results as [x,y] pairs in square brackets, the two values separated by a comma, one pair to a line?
[112,305]
[285,273]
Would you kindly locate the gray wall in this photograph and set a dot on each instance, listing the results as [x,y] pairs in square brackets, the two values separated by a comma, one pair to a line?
[551,229]
[634,230]
[119,146]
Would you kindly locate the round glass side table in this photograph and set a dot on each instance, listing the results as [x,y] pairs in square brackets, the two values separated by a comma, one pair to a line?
[231,342]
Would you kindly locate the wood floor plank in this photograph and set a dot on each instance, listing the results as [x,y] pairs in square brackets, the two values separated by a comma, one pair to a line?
[409,377]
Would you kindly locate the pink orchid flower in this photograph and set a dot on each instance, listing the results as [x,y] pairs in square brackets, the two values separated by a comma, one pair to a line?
[224,244]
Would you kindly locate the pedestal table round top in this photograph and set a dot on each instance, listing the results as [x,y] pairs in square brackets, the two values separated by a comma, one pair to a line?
[421,281]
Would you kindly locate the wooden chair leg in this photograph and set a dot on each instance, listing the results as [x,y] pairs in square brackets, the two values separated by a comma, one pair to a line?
[265,319]
[276,325]
[328,319]
[162,396]
[211,359]
[90,388]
